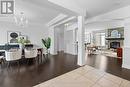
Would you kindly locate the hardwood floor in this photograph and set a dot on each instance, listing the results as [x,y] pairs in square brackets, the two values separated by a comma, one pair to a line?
[109,64]
[28,75]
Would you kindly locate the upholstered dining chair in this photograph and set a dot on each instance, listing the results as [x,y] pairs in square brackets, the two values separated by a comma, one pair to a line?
[1,60]
[30,53]
[13,55]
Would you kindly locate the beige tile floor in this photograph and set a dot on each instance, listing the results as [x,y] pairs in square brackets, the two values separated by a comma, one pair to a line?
[86,77]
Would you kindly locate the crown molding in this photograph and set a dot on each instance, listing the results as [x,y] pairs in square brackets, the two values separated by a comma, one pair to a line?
[57,19]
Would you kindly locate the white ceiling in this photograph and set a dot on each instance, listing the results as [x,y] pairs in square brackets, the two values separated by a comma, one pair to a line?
[36,11]
[96,7]
[44,11]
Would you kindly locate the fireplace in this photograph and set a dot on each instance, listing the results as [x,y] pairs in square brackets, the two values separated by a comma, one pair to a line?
[114,45]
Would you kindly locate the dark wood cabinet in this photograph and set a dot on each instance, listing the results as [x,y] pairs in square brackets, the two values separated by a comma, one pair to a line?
[119,52]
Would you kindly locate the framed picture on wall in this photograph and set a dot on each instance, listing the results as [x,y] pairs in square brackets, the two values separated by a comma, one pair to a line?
[12,36]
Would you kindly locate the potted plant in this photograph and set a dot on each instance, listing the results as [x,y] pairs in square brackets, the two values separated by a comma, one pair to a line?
[27,41]
[47,44]
[23,42]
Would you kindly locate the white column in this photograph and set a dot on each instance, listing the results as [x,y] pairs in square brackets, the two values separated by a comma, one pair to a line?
[81,46]
[64,49]
[126,50]
[74,42]
[52,35]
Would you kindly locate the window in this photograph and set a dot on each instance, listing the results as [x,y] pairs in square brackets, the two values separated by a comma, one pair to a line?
[88,37]
[100,39]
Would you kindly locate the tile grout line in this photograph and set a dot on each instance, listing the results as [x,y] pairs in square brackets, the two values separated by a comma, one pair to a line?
[121,83]
[93,82]
[115,82]
[97,80]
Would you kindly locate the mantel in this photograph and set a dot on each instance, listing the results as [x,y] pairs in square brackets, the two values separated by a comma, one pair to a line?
[111,38]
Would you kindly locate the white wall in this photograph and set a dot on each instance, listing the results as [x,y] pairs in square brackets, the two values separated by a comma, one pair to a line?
[34,31]
[70,44]
[60,38]
[70,39]
[53,36]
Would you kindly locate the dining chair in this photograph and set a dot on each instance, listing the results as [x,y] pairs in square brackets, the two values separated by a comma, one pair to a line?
[30,53]
[14,55]
[1,60]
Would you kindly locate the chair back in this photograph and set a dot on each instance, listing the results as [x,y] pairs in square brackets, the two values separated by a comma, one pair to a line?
[13,55]
[30,53]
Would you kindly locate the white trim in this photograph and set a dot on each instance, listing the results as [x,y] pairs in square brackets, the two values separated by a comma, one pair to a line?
[126,66]
[57,19]
[71,53]
[70,5]
[53,53]
[64,21]
[127,47]
[126,57]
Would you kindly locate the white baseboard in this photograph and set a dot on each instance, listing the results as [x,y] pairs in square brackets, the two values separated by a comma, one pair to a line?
[54,53]
[126,66]
[81,64]
[71,53]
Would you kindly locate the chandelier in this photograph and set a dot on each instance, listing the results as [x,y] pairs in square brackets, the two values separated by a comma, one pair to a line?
[21,19]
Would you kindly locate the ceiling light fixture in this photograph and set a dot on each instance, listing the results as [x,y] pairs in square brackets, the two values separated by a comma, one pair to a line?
[21,19]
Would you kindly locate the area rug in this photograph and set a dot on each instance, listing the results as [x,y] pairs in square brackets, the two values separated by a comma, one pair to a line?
[86,76]
[107,53]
